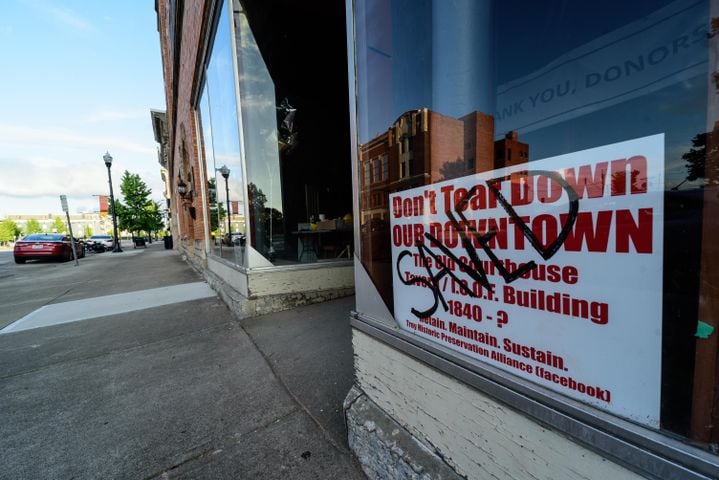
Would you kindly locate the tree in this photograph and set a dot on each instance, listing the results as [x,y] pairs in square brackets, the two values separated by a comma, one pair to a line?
[88,231]
[154,221]
[135,214]
[217,210]
[696,159]
[267,221]
[58,225]
[217,217]
[8,231]
[32,226]
[456,169]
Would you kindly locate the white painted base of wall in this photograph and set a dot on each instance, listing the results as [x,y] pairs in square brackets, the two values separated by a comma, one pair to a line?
[386,450]
[478,437]
[250,293]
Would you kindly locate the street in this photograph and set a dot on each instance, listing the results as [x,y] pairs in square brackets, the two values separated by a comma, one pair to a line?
[25,288]
[151,384]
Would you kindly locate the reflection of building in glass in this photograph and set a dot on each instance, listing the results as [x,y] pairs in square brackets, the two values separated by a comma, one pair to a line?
[509,151]
[420,148]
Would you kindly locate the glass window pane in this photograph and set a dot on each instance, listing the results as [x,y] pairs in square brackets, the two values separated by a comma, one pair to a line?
[221,143]
[294,129]
[527,137]
[259,126]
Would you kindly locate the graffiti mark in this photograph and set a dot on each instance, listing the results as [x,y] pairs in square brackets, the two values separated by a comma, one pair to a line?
[469,234]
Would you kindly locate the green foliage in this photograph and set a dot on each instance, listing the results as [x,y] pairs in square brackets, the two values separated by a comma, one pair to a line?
[702,159]
[268,221]
[8,231]
[155,219]
[217,216]
[456,169]
[138,213]
[217,211]
[87,233]
[58,225]
[32,226]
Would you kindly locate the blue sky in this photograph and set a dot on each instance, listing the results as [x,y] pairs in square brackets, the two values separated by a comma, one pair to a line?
[78,78]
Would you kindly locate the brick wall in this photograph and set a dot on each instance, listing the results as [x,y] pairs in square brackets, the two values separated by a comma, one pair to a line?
[184,159]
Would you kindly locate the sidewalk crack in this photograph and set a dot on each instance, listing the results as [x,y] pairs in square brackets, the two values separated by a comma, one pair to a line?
[220,444]
[341,449]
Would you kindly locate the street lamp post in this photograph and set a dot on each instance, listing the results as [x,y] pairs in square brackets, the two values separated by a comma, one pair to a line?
[108,163]
[226,173]
[212,188]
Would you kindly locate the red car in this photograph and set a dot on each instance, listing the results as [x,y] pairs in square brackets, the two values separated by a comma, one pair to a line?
[46,245]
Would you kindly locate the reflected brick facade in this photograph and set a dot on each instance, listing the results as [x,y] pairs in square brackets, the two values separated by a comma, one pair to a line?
[422,147]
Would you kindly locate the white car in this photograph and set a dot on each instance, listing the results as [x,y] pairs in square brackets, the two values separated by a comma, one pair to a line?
[104,240]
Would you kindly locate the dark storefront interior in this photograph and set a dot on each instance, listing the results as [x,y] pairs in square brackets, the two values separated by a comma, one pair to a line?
[307,61]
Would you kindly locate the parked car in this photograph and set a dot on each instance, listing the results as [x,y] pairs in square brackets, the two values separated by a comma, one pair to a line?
[80,249]
[45,245]
[104,240]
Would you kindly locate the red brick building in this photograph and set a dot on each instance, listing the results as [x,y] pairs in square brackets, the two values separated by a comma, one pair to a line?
[181,26]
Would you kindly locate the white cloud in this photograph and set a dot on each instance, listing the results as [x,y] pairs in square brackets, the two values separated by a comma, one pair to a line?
[38,164]
[45,205]
[46,176]
[112,115]
[62,15]
[11,135]
[32,184]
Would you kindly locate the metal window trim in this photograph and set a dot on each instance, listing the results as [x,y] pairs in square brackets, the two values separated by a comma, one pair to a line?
[204,55]
[230,5]
[649,453]
[353,122]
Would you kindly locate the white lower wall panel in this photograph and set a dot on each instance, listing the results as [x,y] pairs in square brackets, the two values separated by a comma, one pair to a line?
[236,279]
[479,437]
[323,277]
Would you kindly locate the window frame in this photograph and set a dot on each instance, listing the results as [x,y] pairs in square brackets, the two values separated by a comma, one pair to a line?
[208,39]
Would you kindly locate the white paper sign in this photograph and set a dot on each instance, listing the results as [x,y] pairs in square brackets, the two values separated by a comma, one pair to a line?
[551,270]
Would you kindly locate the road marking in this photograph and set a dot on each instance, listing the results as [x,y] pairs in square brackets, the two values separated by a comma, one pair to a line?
[88,308]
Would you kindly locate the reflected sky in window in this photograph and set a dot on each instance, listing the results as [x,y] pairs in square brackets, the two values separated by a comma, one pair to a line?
[223,111]
[564,75]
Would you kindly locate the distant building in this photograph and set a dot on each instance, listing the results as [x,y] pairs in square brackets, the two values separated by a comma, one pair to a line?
[99,223]
[159,128]
[509,151]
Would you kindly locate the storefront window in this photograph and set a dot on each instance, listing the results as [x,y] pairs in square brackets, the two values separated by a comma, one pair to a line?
[538,192]
[259,126]
[221,148]
[294,131]
[291,138]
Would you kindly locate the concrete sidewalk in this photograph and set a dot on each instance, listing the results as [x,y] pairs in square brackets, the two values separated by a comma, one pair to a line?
[178,391]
